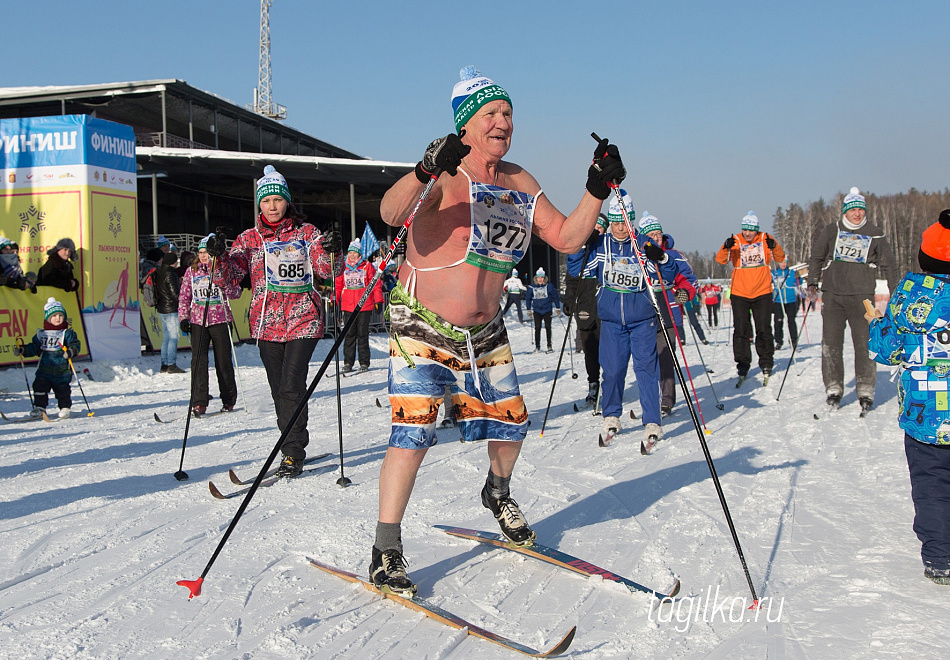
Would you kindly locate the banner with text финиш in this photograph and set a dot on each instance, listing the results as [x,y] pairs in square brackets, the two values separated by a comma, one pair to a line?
[73,176]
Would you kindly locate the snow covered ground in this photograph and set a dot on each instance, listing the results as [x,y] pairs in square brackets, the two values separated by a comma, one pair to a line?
[95,530]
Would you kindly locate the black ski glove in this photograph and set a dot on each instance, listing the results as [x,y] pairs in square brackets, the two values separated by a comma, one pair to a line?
[442,155]
[607,168]
[217,243]
[331,242]
[17,350]
[653,251]
[70,354]
[682,296]
[185,326]
[728,243]
[770,242]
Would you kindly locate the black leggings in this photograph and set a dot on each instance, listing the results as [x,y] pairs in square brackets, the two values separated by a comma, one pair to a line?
[538,318]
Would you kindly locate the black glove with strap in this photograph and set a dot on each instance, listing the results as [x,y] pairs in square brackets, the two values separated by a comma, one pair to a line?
[442,155]
[653,251]
[331,242]
[729,243]
[770,242]
[607,168]
[17,350]
[185,326]
[217,243]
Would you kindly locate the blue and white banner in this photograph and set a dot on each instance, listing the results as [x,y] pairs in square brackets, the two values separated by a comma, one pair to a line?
[34,142]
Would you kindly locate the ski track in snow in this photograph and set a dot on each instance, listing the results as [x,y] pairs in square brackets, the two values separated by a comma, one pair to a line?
[96,530]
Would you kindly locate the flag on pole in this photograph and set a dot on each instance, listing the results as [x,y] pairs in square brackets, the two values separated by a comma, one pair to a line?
[368,243]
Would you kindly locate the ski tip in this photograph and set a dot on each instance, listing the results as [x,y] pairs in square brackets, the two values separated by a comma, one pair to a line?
[561,646]
[643,449]
[46,418]
[815,416]
[675,589]
[215,492]
[157,419]
[193,586]
[236,480]
[576,409]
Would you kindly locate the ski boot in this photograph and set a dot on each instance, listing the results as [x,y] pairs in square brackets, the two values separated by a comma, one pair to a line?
[387,570]
[611,428]
[937,575]
[64,413]
[866,404]
[37,412]
[510,519]
[290,467]
[654,433]
[833,401]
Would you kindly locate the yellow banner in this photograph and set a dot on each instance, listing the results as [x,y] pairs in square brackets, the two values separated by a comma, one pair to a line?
[239,309]
[21,315]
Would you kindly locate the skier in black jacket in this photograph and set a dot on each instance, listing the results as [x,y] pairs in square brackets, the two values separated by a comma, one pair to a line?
[167,284]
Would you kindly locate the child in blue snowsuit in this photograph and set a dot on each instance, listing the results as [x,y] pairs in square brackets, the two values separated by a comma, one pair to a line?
[628,322]
[53,371]
[540,300]
[914,333]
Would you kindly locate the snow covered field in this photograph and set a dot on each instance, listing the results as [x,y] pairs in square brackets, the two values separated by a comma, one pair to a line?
[95,530]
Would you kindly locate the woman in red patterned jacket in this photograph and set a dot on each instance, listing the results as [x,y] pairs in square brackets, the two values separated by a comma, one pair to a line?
[283,254]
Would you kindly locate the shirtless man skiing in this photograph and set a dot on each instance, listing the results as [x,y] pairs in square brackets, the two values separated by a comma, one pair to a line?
[446,325]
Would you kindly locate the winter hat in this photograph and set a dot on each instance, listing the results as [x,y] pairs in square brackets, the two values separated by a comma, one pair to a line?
[51,307]
[356,247]
[750,222]
[514,272]
[540,273]
[649,223]
[63,243]
[934,253]
[162,242]
[203,243]
[853,200]
[472,92]
[272,183]
[614,212]
[170,259]
[4,241]
[602,220]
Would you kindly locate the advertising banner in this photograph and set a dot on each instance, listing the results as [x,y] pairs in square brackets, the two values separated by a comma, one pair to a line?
[73,177]
[240,310]
[21,315]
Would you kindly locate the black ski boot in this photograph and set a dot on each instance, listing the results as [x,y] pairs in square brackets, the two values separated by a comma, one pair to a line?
[290,467]
[387,570]
[866,404]
[510,519]
[833,401]
[593,389]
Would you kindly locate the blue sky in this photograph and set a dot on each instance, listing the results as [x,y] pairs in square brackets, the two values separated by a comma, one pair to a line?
[718,108]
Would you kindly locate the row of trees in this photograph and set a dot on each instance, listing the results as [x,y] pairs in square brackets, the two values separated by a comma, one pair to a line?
[903,217]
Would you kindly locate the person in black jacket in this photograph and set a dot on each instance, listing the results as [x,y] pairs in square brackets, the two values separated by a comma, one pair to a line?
[57,271]
[585,311]
[167,284]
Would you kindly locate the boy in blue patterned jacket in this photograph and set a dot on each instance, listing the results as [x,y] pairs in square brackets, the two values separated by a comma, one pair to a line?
[53,371]
[915,333]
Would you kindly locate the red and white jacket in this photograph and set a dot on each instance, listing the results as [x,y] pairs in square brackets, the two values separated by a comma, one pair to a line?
[277,315]
[348,296]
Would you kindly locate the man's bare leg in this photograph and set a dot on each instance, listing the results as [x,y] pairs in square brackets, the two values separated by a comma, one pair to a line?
[396,480]
[503,456]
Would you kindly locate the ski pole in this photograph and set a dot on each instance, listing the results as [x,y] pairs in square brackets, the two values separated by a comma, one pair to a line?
[719,405]
[567,332]
[29,392]
[194,586]
[89,413]
[181,475]
[343,482]
[689,403]
[791,358]
[570,351]
[679,342]
[237,367]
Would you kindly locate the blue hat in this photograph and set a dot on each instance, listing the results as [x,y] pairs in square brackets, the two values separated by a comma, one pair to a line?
[162,241]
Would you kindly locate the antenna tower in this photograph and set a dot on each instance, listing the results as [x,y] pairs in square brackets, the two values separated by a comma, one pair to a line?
[263,93]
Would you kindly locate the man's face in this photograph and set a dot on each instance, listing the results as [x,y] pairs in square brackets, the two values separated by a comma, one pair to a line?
[619,230]
[749,235]
[855,216]
[656,236]
[489,130]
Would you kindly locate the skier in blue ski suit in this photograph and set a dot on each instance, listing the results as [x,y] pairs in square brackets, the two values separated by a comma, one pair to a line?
[53,371]
[913,332]
[541,299]
[628,322]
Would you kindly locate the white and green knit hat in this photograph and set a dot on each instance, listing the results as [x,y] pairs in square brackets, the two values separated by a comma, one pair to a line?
[272,183]
[853,200]
[51,307]
[472,92]
[355,246]
[649,223]
[750,222]
[615,213]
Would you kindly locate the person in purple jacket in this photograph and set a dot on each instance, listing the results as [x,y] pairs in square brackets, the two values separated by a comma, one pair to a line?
[204,313]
